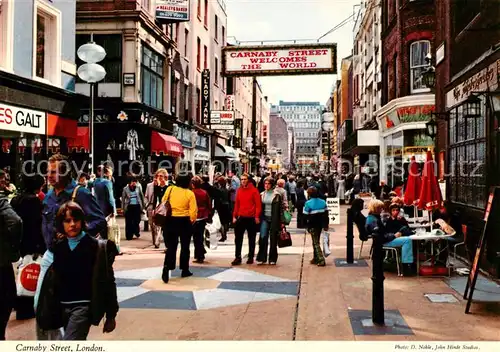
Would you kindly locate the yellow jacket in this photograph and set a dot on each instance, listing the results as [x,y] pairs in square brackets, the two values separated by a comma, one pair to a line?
[182,201]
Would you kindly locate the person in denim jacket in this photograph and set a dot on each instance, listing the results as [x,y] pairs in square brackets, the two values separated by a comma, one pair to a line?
[376,227]
[63,186]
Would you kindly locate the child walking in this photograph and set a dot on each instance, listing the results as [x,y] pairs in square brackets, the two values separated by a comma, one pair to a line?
[83,290]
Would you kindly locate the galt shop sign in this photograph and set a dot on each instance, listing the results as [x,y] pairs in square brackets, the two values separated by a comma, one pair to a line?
[205,97]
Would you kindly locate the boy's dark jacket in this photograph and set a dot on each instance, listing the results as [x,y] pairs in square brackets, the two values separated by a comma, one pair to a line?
[104,301]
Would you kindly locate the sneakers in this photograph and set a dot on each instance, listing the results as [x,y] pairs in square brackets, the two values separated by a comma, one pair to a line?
[272,263]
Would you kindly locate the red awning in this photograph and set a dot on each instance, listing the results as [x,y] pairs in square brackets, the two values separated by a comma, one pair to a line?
[61,127]
[81,141]
[168,145]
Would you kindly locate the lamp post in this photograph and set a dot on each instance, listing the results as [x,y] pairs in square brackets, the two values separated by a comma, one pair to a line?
[194,138]
[91,72]
[327,126]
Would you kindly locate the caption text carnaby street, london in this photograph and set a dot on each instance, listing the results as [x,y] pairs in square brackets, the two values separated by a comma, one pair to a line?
[59,347]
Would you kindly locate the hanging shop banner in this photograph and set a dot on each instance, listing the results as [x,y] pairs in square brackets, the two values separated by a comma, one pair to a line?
[238,133]
[172,10]
[407,114]
[229,102]
[222,120]
[13,118]
[266,60]
[205,97]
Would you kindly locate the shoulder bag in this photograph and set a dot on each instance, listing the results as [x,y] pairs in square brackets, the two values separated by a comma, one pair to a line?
[163,211]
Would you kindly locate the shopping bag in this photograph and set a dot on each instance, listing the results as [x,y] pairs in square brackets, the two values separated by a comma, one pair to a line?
[114,233]
[287,217]
[325,237]
[284,239]
[27,275]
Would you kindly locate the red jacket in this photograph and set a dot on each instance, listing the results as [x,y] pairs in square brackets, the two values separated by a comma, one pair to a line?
[248,203]
[203,202]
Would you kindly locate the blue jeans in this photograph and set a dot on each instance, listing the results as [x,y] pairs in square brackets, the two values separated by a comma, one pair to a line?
[406,245]
[265,236]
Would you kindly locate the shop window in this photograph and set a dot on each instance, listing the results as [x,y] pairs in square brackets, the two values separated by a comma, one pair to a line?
[47,43]
[418,65]
[152,78]
[112,63]
[467,159]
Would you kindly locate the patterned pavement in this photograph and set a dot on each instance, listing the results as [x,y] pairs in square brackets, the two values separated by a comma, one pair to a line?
[209,287]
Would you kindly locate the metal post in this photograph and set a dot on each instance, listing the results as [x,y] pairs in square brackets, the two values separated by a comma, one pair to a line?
[254,122]
[378,282]
[91,129]
[329,152]
[350,238]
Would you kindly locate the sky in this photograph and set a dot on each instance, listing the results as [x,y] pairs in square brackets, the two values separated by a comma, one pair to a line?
[277,20]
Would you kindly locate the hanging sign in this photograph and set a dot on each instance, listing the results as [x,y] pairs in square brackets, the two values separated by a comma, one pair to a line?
[172,10]
[205,97]
[294,59]
[333,205]
[222,120]
[229,102]
[238,134]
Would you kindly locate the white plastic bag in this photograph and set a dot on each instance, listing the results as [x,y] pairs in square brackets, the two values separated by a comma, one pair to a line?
[114,233]
[214,229]
[325,239]
[27,276]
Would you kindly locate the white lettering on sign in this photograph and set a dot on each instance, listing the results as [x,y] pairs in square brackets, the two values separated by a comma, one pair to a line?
[485,80]
[13,118]
[222,120]
[333,205]
[242,60]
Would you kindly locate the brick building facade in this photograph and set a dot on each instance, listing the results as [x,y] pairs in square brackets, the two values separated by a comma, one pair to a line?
[408,31]
[467,62]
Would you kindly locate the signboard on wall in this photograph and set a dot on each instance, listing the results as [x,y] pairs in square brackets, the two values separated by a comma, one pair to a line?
[205,97]
[407,114]
[266,60]
[172,10]
[222,120]
[238,134]
[229,102]
[13,118]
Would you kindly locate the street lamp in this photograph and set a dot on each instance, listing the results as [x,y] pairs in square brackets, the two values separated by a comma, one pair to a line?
[328,127]
[91,72]
[431,127]
[194,138]
[429,75]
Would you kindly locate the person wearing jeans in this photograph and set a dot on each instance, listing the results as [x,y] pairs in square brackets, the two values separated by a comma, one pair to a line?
[132,204]
[204,204]
[376,227]
[272,221]
[246,217]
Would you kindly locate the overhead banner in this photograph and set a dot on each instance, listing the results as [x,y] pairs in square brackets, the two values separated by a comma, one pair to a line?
[172,10]
[205,97]
[294,59]
[222,120]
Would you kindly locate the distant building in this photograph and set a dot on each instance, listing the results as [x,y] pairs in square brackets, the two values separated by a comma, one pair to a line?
[305,119]
[278,139]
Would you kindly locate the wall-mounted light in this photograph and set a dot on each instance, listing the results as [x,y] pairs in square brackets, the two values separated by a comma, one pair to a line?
[472,107]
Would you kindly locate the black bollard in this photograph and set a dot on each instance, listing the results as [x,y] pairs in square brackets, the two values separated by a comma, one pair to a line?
[378,282]
[350,237]
[146,225]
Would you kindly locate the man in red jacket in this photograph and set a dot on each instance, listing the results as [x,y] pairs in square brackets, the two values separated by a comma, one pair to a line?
[246,216]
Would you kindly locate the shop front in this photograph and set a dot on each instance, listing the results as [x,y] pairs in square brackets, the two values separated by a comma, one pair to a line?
[403,134]
[472,153]
[226,159]
[36,120]
[202,154]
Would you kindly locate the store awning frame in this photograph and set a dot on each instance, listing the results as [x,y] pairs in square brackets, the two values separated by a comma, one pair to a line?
[166,145]
[225,151]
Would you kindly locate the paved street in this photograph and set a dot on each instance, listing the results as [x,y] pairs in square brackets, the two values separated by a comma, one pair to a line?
[293,300]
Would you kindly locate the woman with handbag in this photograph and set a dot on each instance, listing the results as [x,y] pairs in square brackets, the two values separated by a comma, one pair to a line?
[204,204]
[182,212]
[271,223]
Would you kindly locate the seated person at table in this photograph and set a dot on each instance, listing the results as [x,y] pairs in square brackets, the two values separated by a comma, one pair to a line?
[376,228]
[399,201]
[358,218]
[396,223]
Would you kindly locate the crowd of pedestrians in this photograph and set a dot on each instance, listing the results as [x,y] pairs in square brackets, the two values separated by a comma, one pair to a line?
[65,222]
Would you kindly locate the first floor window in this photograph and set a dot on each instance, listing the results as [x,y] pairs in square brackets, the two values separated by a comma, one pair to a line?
[418,65]
[152,78]
[467,158]
[46,42]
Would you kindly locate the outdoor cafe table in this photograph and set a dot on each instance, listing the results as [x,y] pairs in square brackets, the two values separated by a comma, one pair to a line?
[428,236]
